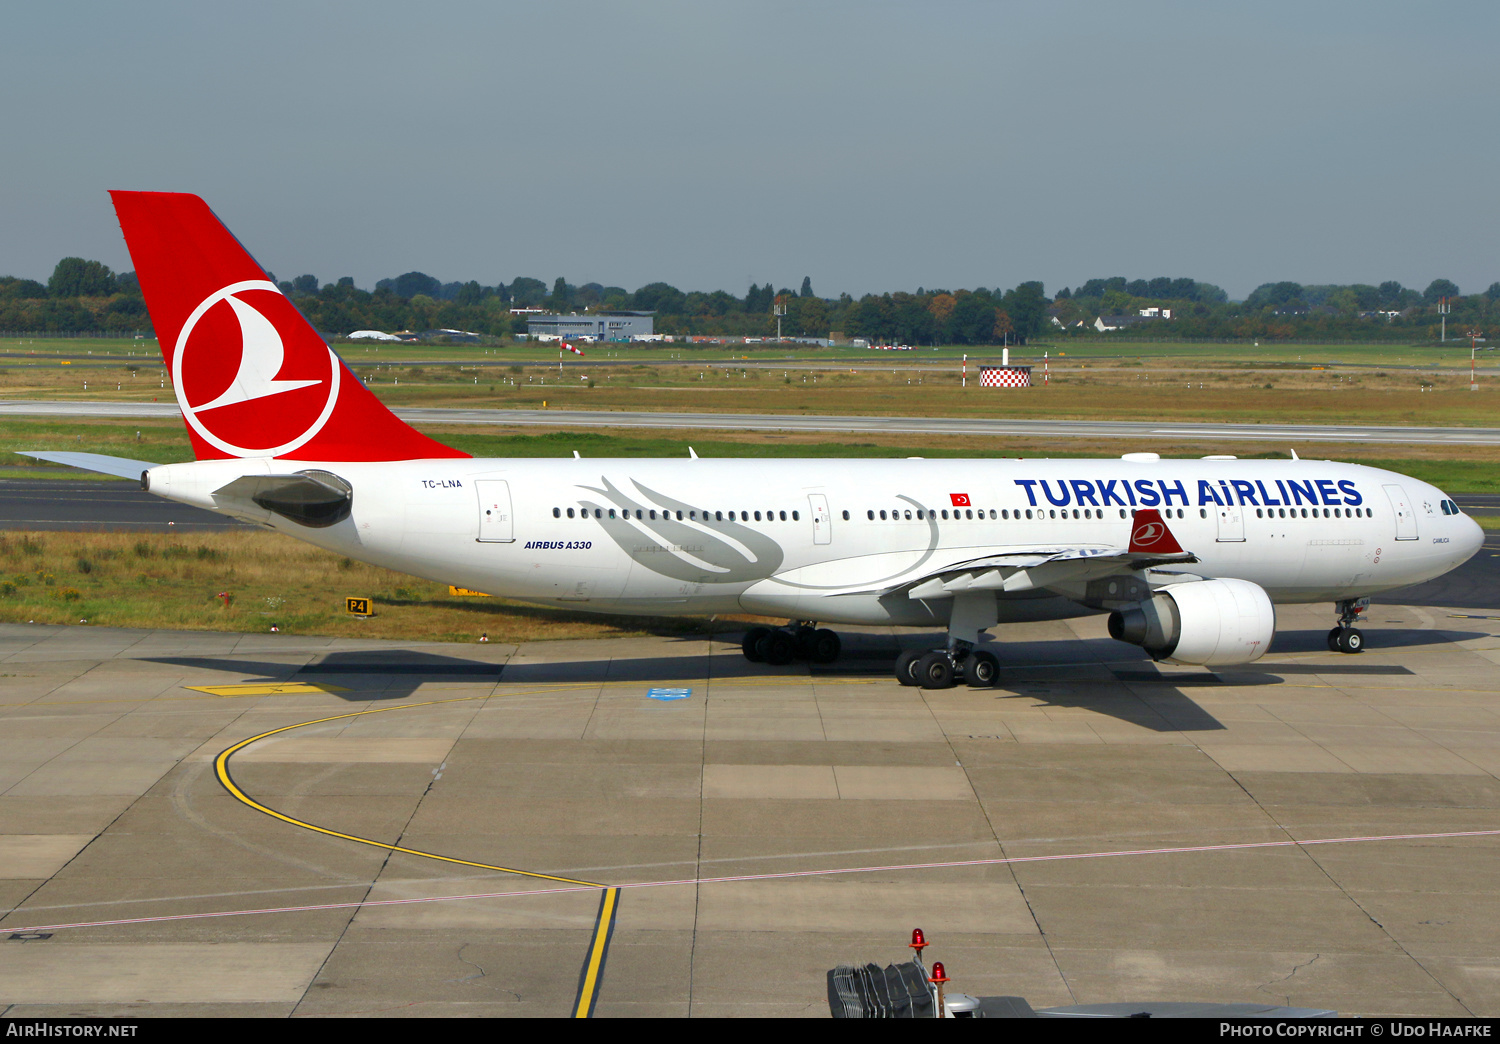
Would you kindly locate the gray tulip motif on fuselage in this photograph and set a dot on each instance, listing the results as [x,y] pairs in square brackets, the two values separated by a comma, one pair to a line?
[704,552]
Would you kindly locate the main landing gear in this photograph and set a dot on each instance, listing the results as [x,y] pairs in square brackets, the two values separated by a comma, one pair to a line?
[799,640]
[972,613]
[1346,638]
[944,668]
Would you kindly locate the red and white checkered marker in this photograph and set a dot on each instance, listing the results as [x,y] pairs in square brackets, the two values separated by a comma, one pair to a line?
[1005,377]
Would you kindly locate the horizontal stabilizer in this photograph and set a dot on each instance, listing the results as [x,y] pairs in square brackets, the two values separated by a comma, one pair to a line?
[122,467]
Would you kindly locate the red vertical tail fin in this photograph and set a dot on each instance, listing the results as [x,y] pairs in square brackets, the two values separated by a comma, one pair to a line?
[252,376]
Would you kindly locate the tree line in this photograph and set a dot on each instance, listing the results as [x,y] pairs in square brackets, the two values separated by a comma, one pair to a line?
[83,295]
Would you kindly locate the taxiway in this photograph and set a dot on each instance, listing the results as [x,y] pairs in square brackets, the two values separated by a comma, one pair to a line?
[1024,428]
[999,821]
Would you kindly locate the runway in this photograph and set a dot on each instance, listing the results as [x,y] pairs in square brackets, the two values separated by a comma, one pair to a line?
[1312,829]
[1030,428]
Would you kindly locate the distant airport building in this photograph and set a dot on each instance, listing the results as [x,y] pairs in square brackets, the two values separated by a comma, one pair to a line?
[595,326]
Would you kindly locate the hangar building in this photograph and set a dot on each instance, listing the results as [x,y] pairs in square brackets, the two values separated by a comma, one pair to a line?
[600,326]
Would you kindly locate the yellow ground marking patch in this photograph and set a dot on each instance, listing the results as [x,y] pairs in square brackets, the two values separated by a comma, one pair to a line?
[266,688]
[593,968]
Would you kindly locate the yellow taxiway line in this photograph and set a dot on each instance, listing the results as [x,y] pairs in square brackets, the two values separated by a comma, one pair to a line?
[593,967]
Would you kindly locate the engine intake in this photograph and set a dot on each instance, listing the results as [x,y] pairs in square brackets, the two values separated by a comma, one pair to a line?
[1205,622]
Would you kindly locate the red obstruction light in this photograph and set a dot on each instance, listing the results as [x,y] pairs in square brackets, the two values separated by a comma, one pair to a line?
[938,975]
[918,940]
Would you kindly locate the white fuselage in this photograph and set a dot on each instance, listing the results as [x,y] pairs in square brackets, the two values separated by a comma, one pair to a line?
[835,540]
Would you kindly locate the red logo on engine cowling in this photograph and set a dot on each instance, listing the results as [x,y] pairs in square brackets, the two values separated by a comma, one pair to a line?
[269,397]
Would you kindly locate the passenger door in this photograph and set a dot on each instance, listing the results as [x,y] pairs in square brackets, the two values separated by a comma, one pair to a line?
[495,522]
[822,522]
[1406,518]
[1231,523]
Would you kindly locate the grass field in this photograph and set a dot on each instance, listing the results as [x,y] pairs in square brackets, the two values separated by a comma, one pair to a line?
[1155,389]
[1064,354]
[252,581]
[1457,469]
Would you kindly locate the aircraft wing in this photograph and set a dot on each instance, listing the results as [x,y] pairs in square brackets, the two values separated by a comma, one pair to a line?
[1015,570]
[122,467]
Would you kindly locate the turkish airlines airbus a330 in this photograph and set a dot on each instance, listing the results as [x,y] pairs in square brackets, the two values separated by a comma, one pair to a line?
[1188,557]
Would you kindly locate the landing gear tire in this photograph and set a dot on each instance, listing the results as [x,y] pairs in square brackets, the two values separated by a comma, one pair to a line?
[751,642]
[803,636]
[777,648]
[981,670]
[935,671]
[906,667]
[1346,640]
[824,646]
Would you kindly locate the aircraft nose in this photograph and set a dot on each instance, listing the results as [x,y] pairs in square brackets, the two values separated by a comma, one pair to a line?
[1470,540]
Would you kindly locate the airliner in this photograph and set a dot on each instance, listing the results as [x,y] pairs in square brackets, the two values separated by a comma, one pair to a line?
[1187,557]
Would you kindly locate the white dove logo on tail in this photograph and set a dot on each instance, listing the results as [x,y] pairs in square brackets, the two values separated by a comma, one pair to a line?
[262,353]
[261,356]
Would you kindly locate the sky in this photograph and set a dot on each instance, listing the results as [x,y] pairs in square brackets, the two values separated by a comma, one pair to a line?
[872,146]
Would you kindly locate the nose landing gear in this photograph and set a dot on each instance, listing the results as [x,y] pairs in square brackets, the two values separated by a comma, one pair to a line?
[1346,638]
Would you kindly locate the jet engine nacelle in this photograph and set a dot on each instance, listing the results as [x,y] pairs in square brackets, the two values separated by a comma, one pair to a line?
[1206,622]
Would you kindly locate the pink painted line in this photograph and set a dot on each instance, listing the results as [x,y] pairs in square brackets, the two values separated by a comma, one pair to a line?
[999,861]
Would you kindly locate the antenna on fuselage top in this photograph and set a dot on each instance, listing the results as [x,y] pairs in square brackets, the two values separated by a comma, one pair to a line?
[1294,455]
[577,455]
[692,453]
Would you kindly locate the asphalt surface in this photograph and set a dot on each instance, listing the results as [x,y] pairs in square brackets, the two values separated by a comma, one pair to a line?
[40,504]
[1314,829]
[1030,428]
